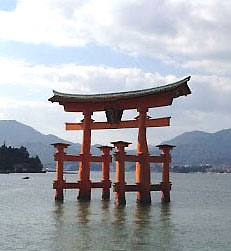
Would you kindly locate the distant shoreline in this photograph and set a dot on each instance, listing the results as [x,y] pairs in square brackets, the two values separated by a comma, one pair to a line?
[8,172]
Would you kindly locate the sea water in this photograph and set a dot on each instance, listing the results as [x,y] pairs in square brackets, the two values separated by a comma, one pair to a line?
[198,217]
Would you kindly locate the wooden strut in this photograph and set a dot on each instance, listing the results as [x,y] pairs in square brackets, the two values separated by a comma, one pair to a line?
[159,122]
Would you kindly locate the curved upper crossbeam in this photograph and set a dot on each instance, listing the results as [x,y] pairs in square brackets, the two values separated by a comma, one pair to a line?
[123,100]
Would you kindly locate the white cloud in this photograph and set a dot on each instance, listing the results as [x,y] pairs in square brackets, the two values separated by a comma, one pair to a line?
[208,108]
[78,79]
[192,34]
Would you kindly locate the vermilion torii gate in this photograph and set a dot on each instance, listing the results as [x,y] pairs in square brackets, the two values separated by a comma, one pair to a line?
[114,104]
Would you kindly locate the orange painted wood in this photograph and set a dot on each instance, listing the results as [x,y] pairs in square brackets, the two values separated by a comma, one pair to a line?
[106,183]
[59,182]
[139,158]
[132,158]
[143,167]
[96,158]
[120,172]
[159,122]
[84,165]
[97,185]
[93,158]
[155,187]
[69,157]
[166,185]
[135,188]
[71,185]
[156,159]
[165,168]
[131,188]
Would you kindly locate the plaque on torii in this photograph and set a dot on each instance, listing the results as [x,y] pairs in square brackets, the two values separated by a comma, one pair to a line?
[114,104]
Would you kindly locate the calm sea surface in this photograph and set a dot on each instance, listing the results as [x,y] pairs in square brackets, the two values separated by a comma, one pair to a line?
[198,218]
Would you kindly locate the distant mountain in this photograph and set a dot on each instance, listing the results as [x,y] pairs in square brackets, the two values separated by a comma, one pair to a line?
[192,148]
[199,147]
[17,134]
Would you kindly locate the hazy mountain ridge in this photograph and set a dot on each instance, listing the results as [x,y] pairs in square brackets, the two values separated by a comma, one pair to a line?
[199,147]
[192,148]
[17,134]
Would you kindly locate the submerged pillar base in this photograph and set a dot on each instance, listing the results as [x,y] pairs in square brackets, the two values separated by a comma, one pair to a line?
[84,191]
[84,197]
[165,198]
[119,189]
[106,189]
[165,195]
[106,196]
[120,201]
[59,195]
[143,194]
[144,198]
[59,185]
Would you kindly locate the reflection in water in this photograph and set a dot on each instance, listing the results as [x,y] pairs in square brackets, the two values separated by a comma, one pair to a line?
[119,228]
[82,226]
[165,212]
[142,214]
[120,214]
[60,225]
[58,212]
[149,220]
[133,227]
[166,226]
[105,207]
[105,204]
[83,211]
[72,228]
[142,233]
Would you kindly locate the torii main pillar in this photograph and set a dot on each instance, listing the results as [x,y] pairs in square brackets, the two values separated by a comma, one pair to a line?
[143,167]
[84,165]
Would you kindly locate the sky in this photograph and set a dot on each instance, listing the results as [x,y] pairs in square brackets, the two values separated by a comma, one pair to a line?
[101,46]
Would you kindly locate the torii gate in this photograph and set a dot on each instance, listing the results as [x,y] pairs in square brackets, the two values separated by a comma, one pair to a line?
[114,104]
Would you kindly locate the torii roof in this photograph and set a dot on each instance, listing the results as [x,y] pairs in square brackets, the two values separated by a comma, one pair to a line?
[123,100]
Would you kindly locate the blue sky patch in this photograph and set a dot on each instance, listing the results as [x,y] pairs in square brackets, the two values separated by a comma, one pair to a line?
[8,5]
[88,55]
